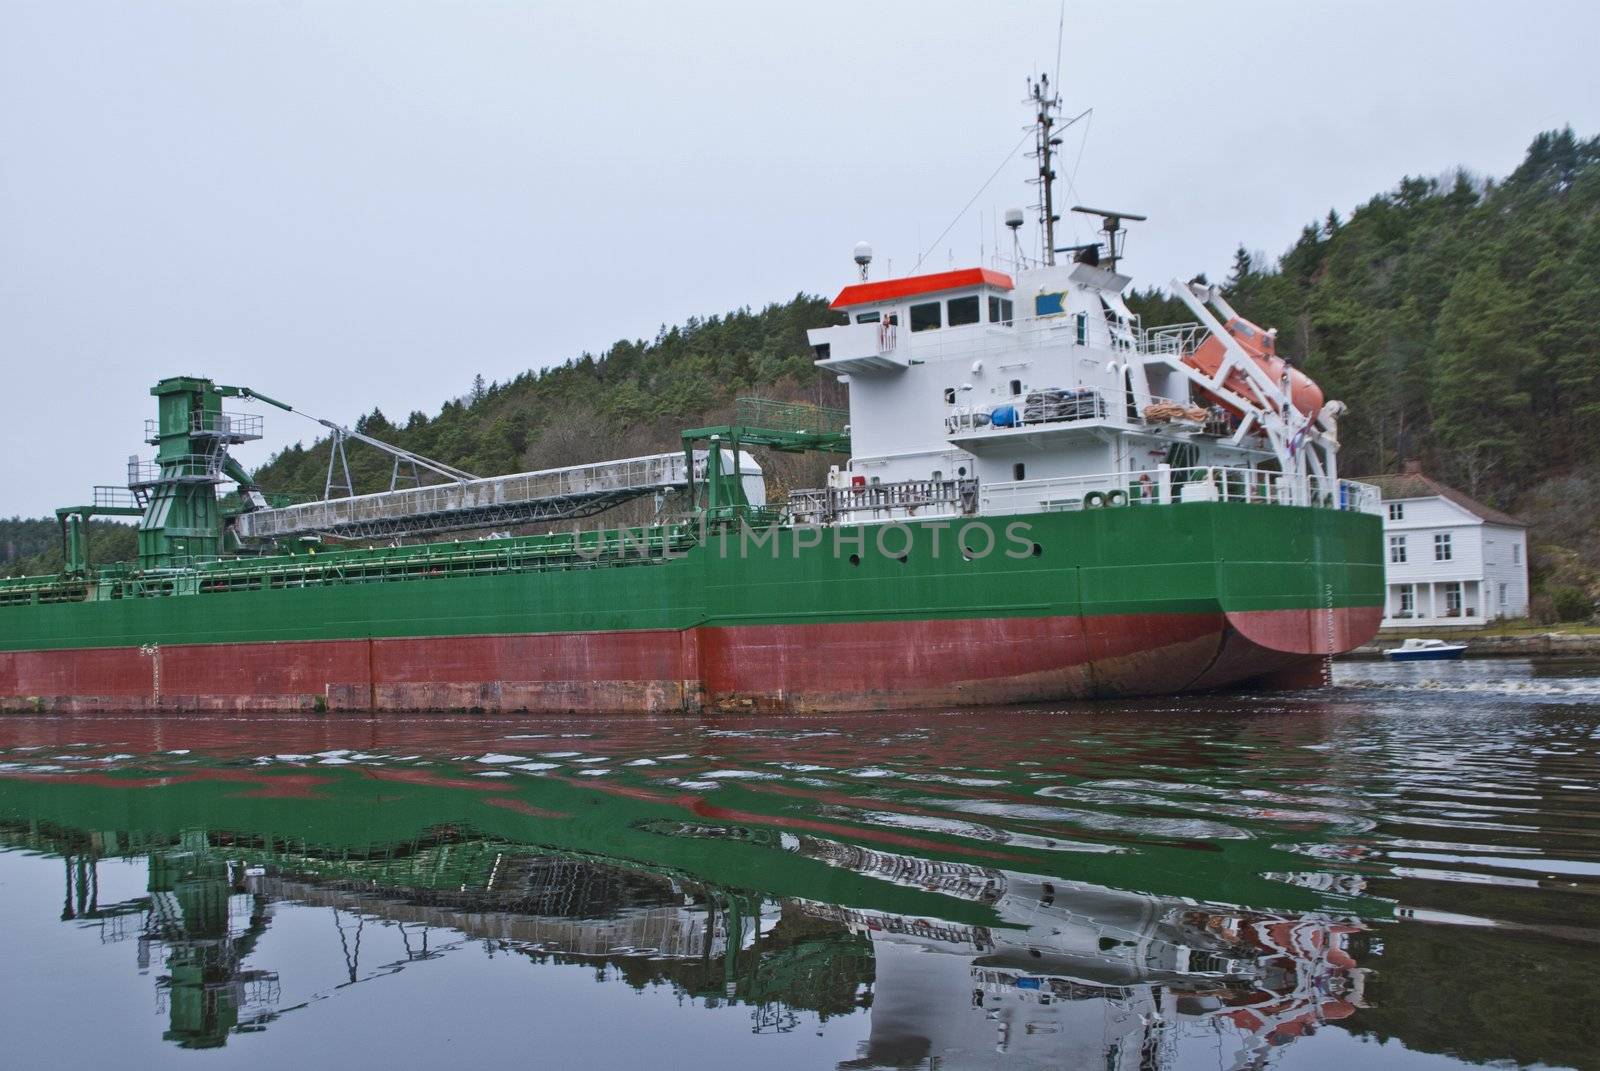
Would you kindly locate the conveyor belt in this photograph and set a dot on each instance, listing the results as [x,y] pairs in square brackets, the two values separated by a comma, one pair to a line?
[520,498]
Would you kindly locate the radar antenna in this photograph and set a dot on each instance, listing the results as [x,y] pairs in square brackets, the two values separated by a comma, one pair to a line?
[1111,226]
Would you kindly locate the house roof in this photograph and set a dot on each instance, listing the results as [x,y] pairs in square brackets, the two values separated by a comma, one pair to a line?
[1416,485]
[911,285]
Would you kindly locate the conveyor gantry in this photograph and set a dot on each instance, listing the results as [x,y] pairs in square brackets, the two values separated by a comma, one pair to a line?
[490,502]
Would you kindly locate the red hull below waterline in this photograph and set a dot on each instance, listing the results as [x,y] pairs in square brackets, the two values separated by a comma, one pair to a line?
[876,665]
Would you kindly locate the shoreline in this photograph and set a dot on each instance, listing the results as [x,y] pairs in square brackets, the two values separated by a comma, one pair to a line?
[1542,644]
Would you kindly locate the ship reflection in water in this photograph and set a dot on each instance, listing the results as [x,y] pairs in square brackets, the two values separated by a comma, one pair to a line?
[1025,890]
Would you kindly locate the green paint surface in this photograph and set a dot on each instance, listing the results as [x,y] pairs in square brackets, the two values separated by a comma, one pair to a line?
[1189,558]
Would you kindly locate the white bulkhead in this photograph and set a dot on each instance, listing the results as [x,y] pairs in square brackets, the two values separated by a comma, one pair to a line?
[1043,386]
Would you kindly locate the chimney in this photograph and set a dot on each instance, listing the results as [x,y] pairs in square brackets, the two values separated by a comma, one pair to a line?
[1413,466]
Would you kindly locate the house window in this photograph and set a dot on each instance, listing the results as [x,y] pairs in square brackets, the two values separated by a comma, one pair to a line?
[1397,549]
[1397,511]
[1000,310]
[1408,600]
[1019,471]
[1516,556]
[1441,547]
[925,317]
[1452,599]
[1502,599]
[963,311]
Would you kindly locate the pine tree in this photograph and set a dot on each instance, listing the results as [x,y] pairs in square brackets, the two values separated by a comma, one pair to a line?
[1481,407]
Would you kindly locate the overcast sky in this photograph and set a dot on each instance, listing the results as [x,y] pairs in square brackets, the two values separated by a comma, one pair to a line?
[348,204]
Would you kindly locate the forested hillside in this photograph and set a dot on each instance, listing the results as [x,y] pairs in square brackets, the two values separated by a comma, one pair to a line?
[634,399]
[1459,317]
[33,545]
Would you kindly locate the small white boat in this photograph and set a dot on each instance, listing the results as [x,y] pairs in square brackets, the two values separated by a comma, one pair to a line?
[1415,650]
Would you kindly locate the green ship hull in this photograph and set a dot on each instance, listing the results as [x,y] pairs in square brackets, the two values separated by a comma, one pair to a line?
[1139,600]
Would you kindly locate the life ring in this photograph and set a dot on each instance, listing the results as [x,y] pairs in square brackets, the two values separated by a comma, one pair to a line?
[1117,497]
[1094,500]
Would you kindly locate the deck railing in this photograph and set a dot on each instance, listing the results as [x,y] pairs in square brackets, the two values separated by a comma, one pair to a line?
[800,418]
[1177,486]
[903,498]
[186,468]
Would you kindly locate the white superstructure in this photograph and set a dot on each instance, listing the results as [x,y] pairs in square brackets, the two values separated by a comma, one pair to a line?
[1044,388]
[1033,389]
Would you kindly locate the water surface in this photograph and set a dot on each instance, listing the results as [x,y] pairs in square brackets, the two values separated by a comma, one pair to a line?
[1400,871]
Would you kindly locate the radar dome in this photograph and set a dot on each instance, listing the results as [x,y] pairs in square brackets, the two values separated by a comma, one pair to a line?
[1013,218]
[863,253]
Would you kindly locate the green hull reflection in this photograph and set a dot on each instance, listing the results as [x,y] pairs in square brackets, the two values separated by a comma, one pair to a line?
[723,903]
[1357,876]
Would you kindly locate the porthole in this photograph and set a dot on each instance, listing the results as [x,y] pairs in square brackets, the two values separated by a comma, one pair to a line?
[855,559]
[1037,550]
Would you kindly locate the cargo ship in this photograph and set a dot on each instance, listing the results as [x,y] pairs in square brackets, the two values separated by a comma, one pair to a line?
[1038,498]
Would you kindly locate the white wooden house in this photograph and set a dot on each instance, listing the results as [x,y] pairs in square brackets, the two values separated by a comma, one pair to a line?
[1451,560]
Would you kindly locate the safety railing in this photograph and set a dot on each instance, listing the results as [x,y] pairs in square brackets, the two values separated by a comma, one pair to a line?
[236,427]
[799,418]
[186,468]
[1173,340]
[233,427]
[903,498]
[106,497]
[1165,486]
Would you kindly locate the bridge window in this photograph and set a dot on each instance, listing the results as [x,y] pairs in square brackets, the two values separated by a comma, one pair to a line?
[964,310]
[1019,471]
[867,317]
[925,317]
[999,310]
[949,396]
[1016,388]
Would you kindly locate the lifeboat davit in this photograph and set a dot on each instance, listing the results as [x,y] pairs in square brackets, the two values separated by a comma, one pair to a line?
[1262,347]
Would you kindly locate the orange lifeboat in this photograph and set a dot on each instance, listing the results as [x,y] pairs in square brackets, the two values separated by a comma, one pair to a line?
[1262,347]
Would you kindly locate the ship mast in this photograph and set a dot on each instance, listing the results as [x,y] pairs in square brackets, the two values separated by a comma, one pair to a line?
[1045,102]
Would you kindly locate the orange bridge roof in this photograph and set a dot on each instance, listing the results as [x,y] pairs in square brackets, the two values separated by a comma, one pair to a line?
[911,285]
